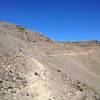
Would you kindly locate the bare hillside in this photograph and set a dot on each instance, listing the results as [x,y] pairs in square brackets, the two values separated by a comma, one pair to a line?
[33,67]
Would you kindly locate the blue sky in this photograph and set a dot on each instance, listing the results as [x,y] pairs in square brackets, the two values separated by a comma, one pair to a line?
[61,20]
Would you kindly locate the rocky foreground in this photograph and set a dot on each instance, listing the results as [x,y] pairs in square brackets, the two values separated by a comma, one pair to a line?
[33,67]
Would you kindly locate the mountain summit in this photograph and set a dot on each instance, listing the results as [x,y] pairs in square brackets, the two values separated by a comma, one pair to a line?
[34,67]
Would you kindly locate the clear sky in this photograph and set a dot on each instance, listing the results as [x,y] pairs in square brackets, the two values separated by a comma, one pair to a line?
[61,20]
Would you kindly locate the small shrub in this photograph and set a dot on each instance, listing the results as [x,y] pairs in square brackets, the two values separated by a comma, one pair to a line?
[27,94]
[1,81]
[34,41]
[20,28]
[58,70]
[36,74]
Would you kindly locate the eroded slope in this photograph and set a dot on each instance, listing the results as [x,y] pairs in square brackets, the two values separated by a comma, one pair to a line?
[32,67]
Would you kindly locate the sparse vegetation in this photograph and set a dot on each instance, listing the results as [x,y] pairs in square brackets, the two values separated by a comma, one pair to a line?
[20,28]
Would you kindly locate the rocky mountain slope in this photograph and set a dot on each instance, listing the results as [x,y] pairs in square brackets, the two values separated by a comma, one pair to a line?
[33,67]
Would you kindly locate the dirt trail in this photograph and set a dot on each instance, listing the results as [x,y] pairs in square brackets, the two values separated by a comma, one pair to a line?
[37,85]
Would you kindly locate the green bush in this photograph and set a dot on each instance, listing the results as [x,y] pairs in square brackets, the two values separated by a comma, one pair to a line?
[20,28]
